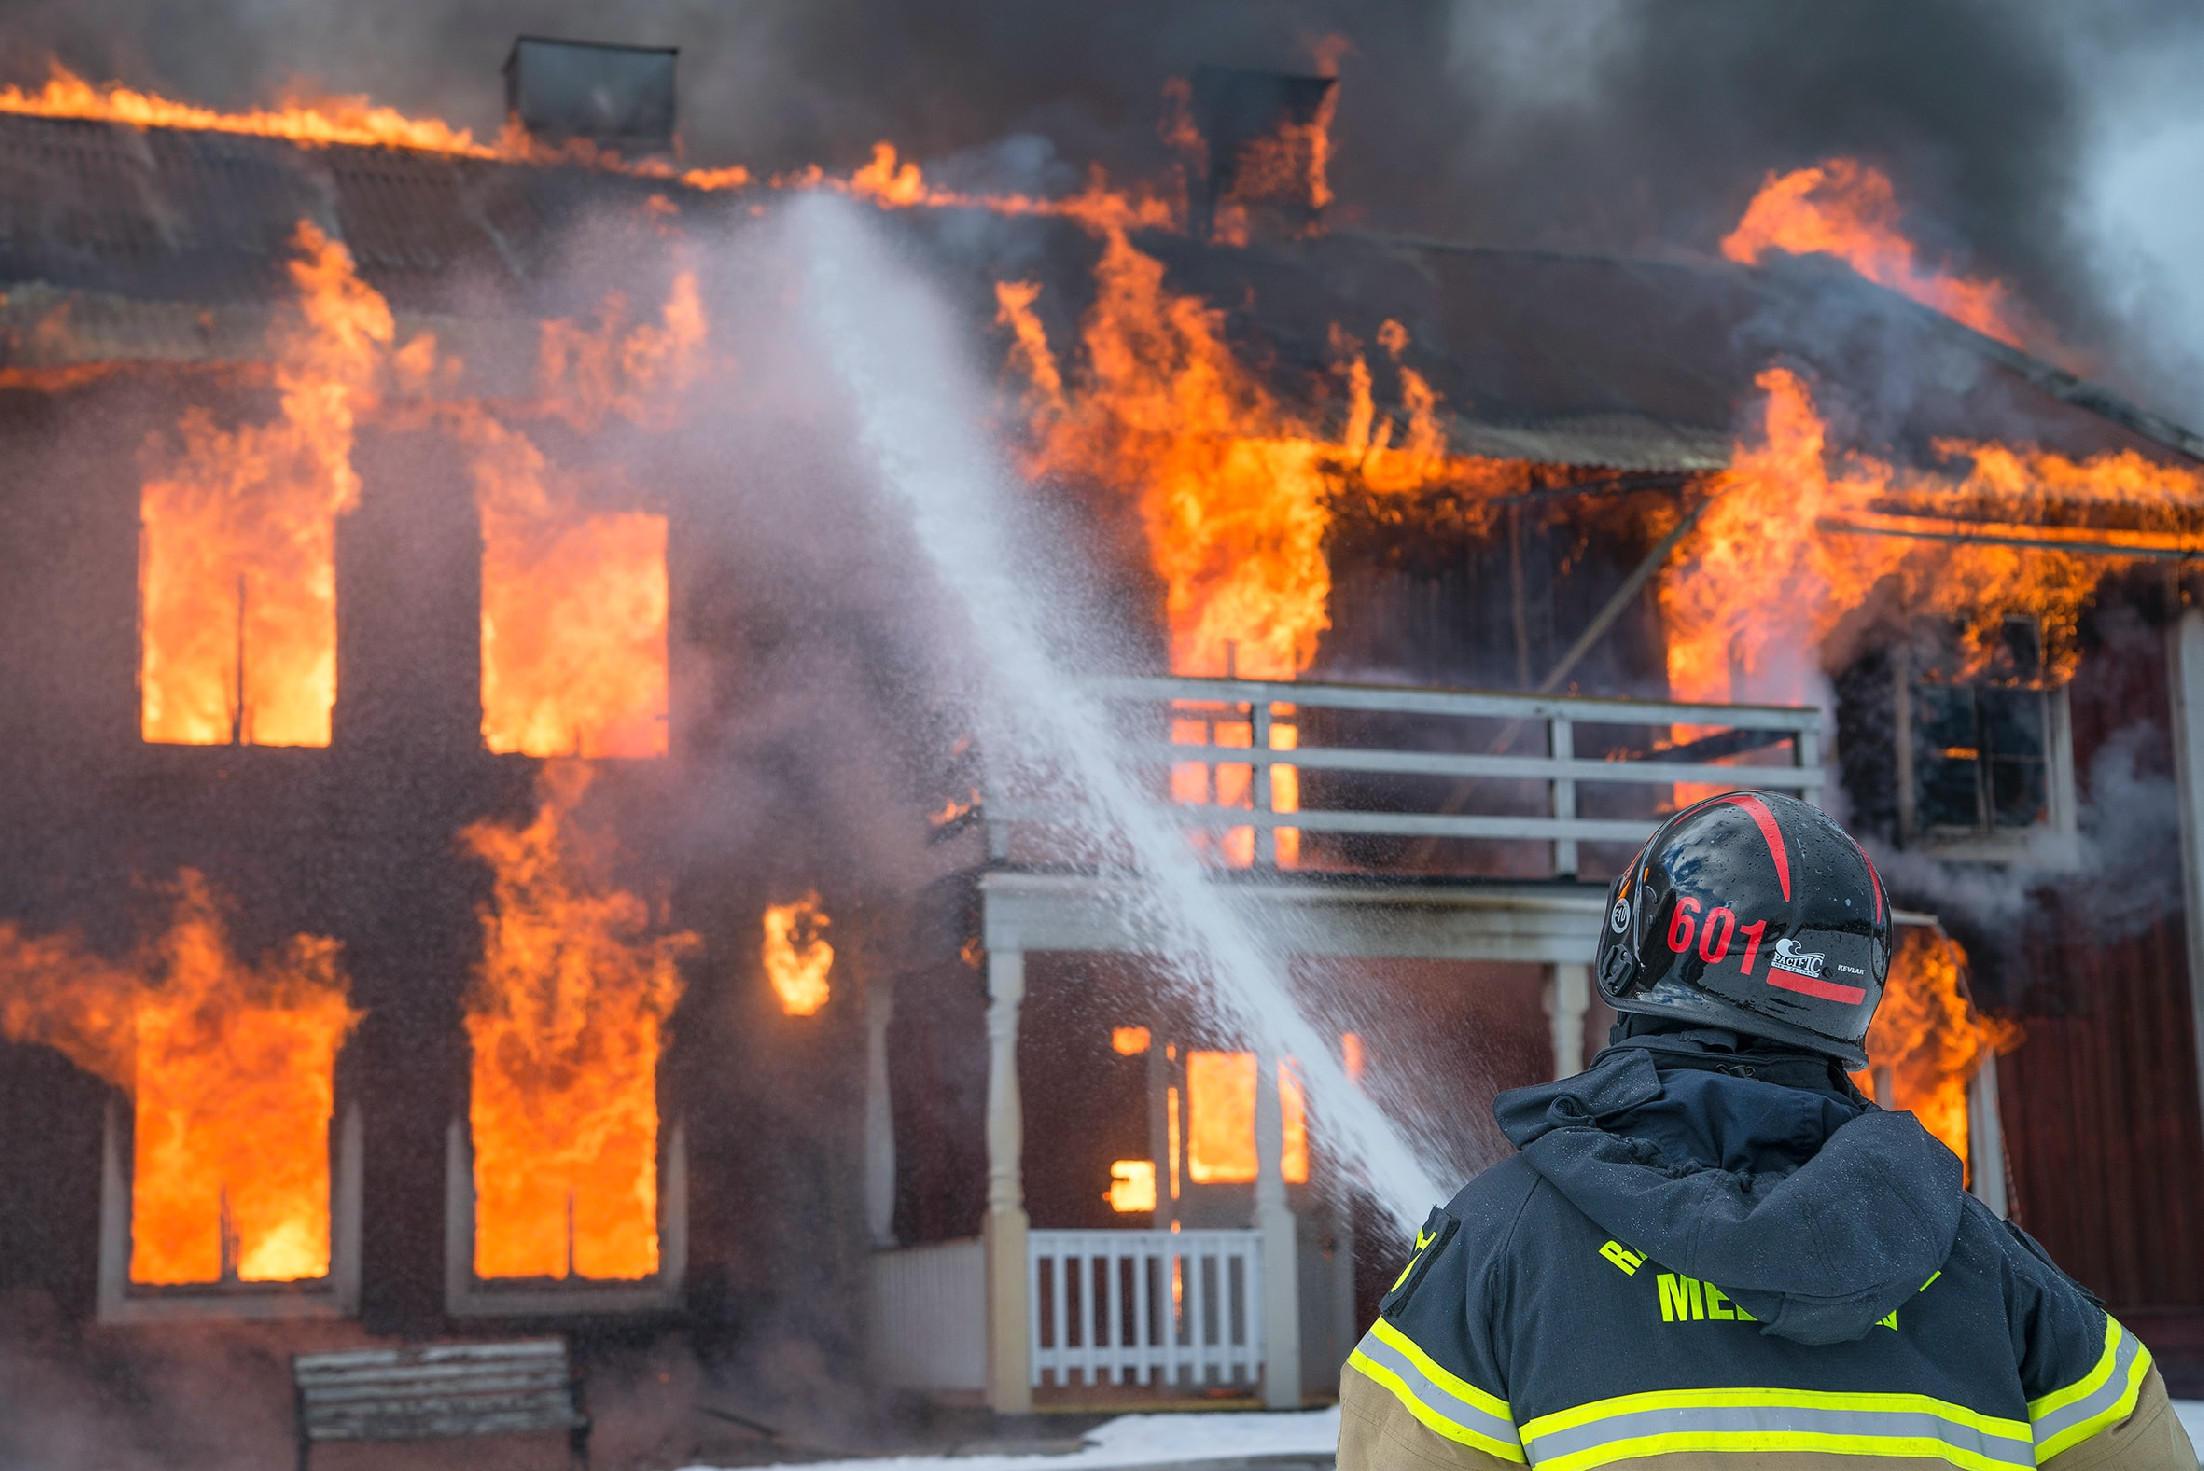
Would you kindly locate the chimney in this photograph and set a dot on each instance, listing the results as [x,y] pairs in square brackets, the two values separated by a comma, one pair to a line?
[617,97]
[1266,138]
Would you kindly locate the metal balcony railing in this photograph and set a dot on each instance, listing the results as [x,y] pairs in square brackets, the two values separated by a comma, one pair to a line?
[1223,742]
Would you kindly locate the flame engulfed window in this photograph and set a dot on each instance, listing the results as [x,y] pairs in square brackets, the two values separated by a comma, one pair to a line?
[237,577]
[575,596]
[232,1068]
[1220,1119]
[573,632]
[567,1023]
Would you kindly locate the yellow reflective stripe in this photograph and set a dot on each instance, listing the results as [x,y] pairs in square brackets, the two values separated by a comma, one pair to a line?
[1429,1418]
[1674,1442]
[1453,1384]
[2119,1387]
[1760,1419]
[2089,1383]
[1752,1398]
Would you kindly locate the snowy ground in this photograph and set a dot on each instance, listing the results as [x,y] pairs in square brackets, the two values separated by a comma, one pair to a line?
[1161,1440]
[1151,1440]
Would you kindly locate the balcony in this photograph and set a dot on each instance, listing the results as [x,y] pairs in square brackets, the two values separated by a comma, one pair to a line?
[1347,821]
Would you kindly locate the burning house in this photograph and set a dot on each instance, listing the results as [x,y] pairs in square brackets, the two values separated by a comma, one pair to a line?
[374,635]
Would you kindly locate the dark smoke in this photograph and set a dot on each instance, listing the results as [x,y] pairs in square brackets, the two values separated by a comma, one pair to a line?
[1581,122]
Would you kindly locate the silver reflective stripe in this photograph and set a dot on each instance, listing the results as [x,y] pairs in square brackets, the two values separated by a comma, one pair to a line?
[1435,1397]
[1790,1419]
[2104,1397]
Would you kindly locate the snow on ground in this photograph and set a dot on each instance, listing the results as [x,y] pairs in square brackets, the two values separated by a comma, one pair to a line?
[1150,1440]
[1154,1440]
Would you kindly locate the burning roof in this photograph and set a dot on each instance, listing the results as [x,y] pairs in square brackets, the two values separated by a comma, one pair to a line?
[122,242]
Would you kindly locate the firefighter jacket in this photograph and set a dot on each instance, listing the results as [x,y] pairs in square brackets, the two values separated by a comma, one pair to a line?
[1711,1256]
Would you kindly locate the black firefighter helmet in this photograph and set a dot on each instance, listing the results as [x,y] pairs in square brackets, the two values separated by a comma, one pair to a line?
[1755,912]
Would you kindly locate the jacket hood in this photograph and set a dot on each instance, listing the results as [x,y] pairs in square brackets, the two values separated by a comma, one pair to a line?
[1815,1211]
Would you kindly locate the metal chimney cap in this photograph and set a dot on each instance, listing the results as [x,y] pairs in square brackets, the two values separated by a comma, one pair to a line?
[612,94]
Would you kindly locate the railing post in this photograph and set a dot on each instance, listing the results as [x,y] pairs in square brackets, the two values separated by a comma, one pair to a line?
[1009,1272]
[1266,838]
[1568,1000]
[1561,745]
[998,831]
[1281,1307]
[879,1112]
[1806,754]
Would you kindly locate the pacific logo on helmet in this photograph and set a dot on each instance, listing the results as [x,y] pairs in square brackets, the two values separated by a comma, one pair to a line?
[1799,963]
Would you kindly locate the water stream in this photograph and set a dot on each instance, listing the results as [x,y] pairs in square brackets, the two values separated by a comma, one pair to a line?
[920,414]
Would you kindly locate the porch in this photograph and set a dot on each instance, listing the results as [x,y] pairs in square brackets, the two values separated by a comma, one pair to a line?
[1425,825]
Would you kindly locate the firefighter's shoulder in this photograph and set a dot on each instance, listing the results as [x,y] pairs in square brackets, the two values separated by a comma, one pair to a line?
[1428,1383]
[2095,1398]
[1461,1241]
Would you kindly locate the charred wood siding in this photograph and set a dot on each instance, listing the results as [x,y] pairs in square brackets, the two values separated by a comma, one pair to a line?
[2102,1121]
[2100,1102]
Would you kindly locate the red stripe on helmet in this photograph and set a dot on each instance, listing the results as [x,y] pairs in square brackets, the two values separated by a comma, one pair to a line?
[1826,990]
[1760,814]
[1874,879]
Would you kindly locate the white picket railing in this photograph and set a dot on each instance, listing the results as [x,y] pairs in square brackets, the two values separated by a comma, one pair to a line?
[1479,754]
[1167,1309]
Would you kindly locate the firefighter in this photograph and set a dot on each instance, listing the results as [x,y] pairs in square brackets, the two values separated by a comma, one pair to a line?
[1711,1251]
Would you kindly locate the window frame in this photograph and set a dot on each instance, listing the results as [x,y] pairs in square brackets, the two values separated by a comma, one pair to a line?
[2053,843]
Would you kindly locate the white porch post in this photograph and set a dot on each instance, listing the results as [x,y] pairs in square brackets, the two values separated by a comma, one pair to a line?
[1009,1345]
[1274,1225]
[2185,670]
[1986,1140]
[1568,1000]
[879,1113]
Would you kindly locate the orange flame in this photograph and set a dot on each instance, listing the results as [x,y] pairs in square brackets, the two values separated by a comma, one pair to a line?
[896,183]
[1235,491]
[1928,1036]
[239,559]
[1289,164]
[797,958]
[307,120]
[575,601]
[1848,209]
[1763,582]
[1220,1119]
[567,1021]
[1132,1185]
[232,1067]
